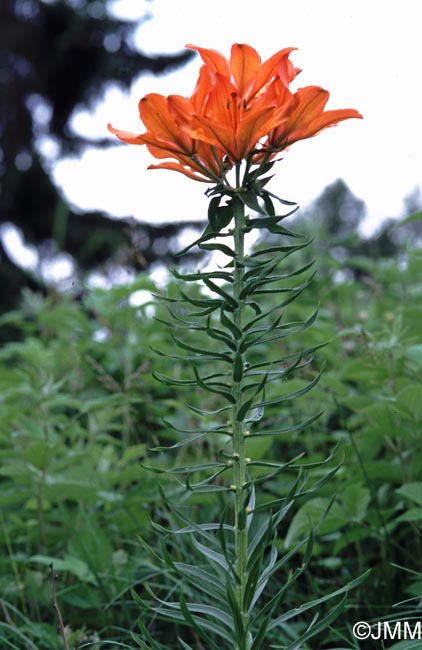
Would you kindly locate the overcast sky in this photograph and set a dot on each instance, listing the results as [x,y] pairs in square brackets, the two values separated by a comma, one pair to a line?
[367,53]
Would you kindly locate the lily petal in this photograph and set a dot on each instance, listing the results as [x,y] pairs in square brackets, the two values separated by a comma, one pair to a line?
[244,65]
[213,59]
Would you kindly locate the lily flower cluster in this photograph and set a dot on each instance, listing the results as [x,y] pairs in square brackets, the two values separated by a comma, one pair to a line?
[241,109]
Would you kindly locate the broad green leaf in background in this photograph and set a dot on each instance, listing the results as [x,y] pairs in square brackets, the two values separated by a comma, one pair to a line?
[412,491]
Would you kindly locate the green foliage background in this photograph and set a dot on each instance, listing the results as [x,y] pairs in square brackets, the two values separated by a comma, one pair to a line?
[80,410]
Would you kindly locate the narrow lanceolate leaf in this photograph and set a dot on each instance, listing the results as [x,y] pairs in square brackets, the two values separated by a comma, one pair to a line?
[281,373]
[264,576]
[195,277]
[201,579]
[212,209]
[228,299]
[284,430]
[211,555]
[261,633]
[189,324]
[265,222]
[282,201]
[219,216]
[196,624]
[270,250]
[207,484]
[260,317]
[319,484]
[250,340]
[199,411]
[191,527]
[212,388]
[256,564]
[201,351]
[220,428]
[244,408]
[181,443]
[260,268]
[230,325]
[197,357]
[218,247]
[250,200]
[278,469]
[200,302]
[294,355]
[251,287]
[292,613]
[220,335]
[187,469]
[264,532]
[207,311]
[207,235]
[210,610]
[272,606]
[169,381]
[200,528]
[317,627]
[291,396]
[292,290]
[288,329]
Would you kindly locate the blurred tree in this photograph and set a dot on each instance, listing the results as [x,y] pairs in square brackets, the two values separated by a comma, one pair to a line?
[337,215]
[412,230]
[338,210]
[57,56]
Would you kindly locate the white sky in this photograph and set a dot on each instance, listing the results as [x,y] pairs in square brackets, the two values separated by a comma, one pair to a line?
[367,53]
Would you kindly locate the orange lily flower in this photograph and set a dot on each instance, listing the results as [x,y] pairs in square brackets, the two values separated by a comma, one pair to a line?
[307,118]
[241,108]
[166,119]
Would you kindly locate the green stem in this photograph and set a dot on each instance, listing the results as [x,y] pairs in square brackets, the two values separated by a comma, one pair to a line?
[239,466]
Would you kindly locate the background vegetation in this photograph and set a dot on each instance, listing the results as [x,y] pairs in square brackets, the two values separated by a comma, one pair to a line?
[81,409]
